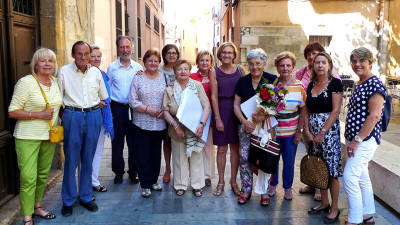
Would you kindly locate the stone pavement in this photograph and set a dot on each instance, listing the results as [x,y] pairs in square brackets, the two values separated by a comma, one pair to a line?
[123,205]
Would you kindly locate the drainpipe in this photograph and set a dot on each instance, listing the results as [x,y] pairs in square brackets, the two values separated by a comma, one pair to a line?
[381,42]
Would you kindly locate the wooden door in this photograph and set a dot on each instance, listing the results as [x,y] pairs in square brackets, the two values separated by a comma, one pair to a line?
[18,40]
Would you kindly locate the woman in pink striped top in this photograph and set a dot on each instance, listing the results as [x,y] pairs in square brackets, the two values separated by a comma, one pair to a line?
[287,133]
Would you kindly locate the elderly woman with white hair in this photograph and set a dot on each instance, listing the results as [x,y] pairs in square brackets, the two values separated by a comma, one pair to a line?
[246,88]
[363,135]
[34,149]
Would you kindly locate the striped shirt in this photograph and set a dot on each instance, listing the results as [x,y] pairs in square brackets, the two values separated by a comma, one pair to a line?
[27,96]
[288,118]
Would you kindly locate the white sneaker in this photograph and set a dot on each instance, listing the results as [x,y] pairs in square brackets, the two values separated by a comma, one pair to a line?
[156,187]
[146,192]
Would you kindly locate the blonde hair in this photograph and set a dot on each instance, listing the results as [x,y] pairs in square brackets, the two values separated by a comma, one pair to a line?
[224,45]
[203,53]
[40,54]
[285,55]
[328,57]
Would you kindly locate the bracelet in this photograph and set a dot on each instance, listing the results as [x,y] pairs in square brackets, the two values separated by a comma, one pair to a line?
[177,125]
[145,111]
[323,130]
[217,118]
[30,115]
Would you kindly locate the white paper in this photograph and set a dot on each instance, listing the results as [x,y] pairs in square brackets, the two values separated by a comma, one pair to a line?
[249,107]
[190,112]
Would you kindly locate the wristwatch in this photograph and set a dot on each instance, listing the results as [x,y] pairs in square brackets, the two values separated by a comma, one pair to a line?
[358,139]
[202,123]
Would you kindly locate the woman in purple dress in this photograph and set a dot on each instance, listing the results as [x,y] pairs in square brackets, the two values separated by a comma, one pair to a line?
[223,80]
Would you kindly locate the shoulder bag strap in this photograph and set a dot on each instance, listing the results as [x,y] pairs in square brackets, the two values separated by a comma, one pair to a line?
[270,129]
[44,96]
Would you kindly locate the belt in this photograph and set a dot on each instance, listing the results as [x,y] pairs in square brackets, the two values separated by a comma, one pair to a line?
[121,104]
[287,115]
[76,109]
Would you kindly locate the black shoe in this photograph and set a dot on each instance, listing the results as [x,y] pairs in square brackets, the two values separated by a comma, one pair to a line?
[134,179]
[328,220]
[66,210]
[118,179]
[315,210]
[91,206]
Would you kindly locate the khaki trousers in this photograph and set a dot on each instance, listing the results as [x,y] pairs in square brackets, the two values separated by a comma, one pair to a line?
[186,169]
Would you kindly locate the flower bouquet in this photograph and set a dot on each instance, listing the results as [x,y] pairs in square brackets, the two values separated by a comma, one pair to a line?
[270,99]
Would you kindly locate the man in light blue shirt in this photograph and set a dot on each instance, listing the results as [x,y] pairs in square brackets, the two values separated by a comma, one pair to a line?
[120,74]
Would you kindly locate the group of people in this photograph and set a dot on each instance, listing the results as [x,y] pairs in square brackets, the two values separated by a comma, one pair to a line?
[140,105]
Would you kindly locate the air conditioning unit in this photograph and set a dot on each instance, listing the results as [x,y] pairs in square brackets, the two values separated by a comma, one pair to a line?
[227,2]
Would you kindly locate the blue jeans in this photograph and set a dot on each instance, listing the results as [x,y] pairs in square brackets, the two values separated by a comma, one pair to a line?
[81,132]
[288,152]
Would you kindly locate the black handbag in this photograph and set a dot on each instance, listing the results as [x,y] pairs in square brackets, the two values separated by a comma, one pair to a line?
[265,158]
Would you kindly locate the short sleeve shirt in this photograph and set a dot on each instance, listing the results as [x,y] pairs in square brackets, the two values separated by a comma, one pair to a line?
[358,109]
[323,102]
[244,87]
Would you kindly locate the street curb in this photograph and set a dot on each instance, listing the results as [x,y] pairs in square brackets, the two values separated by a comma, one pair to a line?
[11,210]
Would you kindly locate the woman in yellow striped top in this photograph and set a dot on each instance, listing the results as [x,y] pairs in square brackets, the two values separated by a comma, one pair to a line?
[34,150]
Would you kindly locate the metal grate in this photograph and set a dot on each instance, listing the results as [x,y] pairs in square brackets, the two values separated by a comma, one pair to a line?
[24,6]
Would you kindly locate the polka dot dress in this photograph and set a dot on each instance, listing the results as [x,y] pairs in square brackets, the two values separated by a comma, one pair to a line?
[358,109]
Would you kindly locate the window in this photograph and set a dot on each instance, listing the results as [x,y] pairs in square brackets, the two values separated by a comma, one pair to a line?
[147,15]
[23,6]
[156,25]
[139,38]
[118,18]
[325,40]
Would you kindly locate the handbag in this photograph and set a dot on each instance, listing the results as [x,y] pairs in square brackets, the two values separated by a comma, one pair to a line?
[314,171]
[264,156]
[56,133]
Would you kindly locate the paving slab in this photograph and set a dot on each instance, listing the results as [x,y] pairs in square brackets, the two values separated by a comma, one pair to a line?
[123,205]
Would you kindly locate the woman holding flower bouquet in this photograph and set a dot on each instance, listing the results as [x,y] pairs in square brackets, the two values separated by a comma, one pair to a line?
[324,97]
[246,88]
[288,118]
[225,125]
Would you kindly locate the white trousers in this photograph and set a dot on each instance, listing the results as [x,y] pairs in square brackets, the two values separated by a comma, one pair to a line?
[97,158]
[357,183]
[186,169]
[209,165]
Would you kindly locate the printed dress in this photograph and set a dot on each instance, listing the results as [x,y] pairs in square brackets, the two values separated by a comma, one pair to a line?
[320,108]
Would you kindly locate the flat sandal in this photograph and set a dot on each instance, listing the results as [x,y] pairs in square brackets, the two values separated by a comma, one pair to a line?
[48,216]
[219,189]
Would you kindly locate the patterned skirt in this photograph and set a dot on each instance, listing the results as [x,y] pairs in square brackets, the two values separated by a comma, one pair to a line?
[330,149]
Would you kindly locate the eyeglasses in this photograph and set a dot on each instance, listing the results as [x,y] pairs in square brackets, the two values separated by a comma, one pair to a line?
[257,64]
[227,53]
[182,70]
[80,55]
[172,53]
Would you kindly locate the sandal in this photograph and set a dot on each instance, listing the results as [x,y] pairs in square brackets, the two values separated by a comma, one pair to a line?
[180,192]
[317,195]
[27,221]
[265,200]
[306,190]
[369,220]
[242,199]
[219,189]
[48,216]
[100,188]
[271,191]
[197,192]
[235,189]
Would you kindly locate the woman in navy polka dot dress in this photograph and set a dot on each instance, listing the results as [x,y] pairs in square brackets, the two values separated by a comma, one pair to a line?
[363,135]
